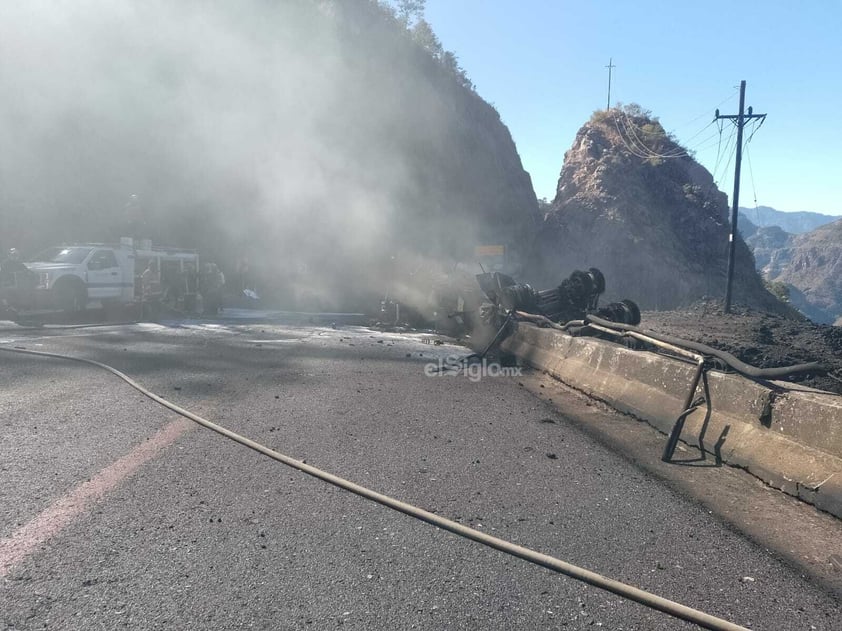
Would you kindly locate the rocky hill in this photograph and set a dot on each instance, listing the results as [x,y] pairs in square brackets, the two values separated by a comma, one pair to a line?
[770,248]
[631,202]
[811,265]
[332,135]
[806,263]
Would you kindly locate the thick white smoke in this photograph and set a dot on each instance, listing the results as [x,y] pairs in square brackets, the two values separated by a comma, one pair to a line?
[265,128]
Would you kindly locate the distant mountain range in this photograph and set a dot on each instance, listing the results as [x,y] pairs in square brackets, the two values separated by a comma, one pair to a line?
[794,222]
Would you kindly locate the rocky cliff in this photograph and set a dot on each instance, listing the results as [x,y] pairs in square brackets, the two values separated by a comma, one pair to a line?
[807,263]
[631,202]
[811,265]
[770,247]
[323,135]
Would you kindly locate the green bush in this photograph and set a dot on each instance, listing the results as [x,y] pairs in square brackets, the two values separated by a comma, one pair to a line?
[778,289]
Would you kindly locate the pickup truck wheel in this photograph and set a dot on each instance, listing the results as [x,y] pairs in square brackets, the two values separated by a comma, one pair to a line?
[71,296]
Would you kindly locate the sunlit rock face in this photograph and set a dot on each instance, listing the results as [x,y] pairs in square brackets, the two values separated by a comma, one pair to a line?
[770,247]
[631,202]
[811,265]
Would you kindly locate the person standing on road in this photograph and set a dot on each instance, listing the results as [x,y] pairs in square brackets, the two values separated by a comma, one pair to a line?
[17,281]
[150,285]
[213,282]
[12,265]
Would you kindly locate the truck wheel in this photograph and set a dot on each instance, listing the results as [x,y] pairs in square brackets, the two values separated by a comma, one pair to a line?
[71,296]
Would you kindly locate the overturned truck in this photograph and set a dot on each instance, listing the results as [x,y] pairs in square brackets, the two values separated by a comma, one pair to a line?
[573,299]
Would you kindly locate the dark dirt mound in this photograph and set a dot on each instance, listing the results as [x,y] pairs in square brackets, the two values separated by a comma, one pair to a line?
[757,338]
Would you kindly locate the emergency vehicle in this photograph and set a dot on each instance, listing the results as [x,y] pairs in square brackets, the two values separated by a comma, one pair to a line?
[89,275]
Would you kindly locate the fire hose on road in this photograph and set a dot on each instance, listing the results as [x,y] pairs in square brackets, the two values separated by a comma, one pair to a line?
[677,610]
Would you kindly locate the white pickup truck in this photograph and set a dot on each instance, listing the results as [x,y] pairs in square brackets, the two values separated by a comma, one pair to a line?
[74,277]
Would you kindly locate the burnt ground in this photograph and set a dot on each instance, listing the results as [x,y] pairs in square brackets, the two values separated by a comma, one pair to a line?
[757,338]
[208,535]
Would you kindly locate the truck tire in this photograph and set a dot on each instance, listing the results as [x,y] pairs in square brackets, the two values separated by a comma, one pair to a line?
[71,295]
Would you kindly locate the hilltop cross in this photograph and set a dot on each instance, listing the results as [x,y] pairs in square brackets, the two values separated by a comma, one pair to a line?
[610,66]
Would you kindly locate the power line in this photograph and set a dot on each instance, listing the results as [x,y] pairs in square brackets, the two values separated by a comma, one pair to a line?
[641,152]
[682,150]
[698,133]
[629,125]
[638,147]
[719,155]
[707,112]
[678,153]
[714,183]
[718,149]
[756,127]
[751,174]
[708,143]
[633,150]
[730,150]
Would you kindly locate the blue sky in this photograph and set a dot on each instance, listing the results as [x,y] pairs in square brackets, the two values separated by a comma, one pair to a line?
[542,64]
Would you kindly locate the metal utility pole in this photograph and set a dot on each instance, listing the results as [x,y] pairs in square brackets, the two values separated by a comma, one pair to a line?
[740,121]
[610,66]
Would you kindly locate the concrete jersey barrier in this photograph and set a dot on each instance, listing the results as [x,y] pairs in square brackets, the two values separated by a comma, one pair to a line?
[786,435]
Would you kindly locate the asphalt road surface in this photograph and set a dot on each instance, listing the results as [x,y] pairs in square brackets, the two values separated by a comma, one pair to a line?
[116,513]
